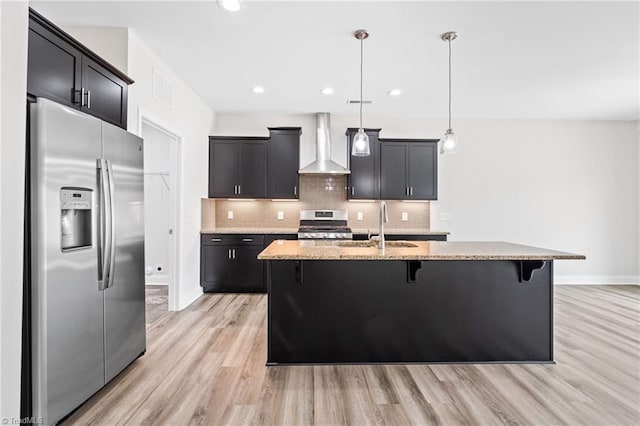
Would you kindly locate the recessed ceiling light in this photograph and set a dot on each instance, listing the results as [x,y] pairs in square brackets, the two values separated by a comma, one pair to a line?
[394,92]
[257,89]
[327,91]
[230,5]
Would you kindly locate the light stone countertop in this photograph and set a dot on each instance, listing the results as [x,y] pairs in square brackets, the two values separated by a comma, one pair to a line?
[398,231]
[250,231]
[362,231]
[424,250]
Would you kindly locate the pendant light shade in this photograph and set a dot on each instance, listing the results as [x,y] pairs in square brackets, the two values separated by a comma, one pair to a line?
[360,144]
[361,140]
[449,142]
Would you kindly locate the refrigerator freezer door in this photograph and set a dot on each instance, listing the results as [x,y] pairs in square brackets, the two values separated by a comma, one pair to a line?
[68,336]
[125,336]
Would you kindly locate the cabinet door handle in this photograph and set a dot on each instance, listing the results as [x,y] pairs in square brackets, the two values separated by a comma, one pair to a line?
[247,240]
[353,190]
[406,190]
[216,240]
[229,253]
[88,98]
[235,189]
[295,190]
[411,191]
[233,252]
[82,97]
[239,189]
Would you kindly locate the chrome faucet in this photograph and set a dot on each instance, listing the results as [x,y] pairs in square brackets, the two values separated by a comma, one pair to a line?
[384,217]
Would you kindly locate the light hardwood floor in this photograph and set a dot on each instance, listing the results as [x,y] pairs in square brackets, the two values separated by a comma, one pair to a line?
[156,303]
[205,366]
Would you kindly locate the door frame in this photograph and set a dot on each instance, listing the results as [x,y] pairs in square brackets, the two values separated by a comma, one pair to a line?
[175,178]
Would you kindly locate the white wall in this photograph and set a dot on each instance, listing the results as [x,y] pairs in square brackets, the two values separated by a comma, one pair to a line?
[192,120]
[13,89]
[108,42]
[566,185]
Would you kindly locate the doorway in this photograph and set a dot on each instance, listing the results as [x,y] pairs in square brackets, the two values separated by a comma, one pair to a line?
[161,188]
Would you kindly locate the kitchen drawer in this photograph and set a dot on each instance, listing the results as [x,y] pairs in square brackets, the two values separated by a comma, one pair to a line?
[232,239]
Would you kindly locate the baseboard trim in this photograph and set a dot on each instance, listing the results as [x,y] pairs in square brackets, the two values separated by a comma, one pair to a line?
[157,279]
[188,299]
[597,279]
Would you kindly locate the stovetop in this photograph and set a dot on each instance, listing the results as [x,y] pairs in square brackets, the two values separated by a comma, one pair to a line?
[324,225]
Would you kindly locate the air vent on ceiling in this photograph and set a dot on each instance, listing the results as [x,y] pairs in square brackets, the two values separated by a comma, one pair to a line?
[162,89]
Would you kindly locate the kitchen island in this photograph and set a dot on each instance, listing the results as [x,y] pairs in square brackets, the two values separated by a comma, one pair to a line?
[419,301]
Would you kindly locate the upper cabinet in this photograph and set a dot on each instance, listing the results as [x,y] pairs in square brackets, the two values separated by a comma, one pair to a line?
[237,167]
[364,180]
[397,169]
[284,162]
[255,167]
[63,70]
[409,169]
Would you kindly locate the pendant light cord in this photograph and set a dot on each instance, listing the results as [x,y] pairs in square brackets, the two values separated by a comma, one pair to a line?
[449,82]
[361,66]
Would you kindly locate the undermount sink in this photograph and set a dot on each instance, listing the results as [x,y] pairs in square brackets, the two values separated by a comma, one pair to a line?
[399,244]
[405,244]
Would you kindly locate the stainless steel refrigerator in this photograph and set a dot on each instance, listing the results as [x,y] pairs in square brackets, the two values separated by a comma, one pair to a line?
[87,256]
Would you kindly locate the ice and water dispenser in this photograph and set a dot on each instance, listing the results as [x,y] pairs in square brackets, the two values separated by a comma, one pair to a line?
[75,218]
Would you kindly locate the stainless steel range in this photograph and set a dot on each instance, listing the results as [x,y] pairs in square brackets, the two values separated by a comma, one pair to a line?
[324,225]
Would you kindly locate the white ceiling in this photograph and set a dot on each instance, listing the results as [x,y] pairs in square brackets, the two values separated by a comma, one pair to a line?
[575,60]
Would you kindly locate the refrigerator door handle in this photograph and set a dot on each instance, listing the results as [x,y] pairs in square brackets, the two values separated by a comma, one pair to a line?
[112,226]
[103,249]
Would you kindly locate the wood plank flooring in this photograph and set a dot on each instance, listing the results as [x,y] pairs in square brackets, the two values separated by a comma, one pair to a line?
[156,303]
[205,366]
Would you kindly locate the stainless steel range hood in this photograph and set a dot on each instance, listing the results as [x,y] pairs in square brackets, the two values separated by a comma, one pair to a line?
[323,164]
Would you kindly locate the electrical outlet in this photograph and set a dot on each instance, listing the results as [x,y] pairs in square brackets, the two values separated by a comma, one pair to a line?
[405,216]
[230,214]
[280,215]
[445,217]
[360,216]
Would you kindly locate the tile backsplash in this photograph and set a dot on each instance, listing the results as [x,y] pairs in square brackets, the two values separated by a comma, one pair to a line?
[316,192]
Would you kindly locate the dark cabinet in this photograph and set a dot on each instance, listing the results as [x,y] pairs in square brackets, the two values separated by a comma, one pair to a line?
[54,67]
[105,93]
[237,167]
[216,270]
[255,167]
[393,169]
[65,71]
[283,162]
[408,169]
[229,263]
[364,180]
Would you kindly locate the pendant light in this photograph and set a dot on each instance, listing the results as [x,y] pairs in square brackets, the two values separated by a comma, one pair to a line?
[449,142]
[361,140]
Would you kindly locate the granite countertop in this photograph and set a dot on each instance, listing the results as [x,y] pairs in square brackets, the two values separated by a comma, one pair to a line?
[362,231]
[250,231]
[424,250]
[398,231]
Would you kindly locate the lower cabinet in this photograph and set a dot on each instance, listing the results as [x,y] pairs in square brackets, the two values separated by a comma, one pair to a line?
[229,262]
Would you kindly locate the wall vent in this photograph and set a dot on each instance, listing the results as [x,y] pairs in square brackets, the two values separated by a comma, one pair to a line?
[162,89]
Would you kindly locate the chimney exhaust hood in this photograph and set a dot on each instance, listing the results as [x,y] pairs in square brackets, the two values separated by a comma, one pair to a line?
[323,164]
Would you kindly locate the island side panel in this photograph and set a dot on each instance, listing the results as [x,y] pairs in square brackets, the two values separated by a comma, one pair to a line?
[332,311]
